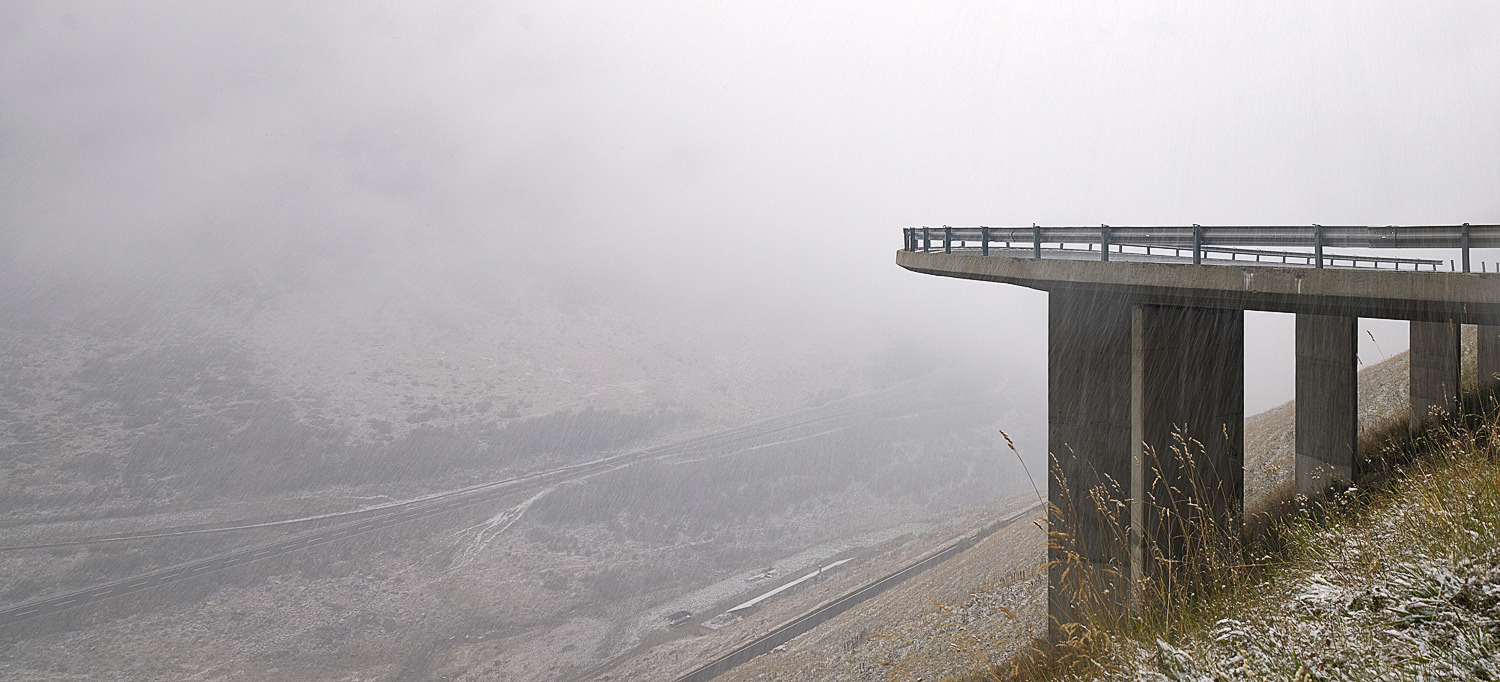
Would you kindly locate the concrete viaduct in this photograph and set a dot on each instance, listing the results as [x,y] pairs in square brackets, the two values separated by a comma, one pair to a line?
[1146,336]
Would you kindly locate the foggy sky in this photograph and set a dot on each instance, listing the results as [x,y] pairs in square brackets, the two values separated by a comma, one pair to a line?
[750,160]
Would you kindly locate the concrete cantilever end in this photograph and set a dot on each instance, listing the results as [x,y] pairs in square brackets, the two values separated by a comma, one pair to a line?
[1467,298]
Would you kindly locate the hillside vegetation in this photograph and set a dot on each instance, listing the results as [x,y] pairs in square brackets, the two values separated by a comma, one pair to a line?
[1404,584]
[1396,579]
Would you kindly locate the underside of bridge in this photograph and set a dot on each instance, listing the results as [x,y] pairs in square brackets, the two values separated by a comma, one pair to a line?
[1146,394]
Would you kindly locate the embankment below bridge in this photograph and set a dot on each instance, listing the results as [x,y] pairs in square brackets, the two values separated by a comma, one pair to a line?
[983,605]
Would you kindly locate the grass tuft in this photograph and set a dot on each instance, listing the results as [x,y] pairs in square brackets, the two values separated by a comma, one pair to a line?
[1398,578]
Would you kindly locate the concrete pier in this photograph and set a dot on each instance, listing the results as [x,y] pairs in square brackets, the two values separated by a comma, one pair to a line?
[1088,435]
[1188,423]
[1327,423]
[1489,358]
[1434,366]
[1120,375]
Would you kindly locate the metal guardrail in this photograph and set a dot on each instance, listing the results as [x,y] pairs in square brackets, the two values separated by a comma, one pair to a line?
[1230,240]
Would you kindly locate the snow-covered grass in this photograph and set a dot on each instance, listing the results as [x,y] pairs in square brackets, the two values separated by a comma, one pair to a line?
[1393,584]
[1404,586]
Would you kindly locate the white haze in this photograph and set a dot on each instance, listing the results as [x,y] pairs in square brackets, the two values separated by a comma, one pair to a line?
[749,162]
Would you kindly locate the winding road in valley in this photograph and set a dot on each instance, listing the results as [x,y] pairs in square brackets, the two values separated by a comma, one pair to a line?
[818,421]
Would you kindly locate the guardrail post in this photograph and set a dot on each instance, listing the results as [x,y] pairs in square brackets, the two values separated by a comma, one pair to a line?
[1104,243]
[906,239]
[947,239]
[926,238]
[1466,246]
[984,240]
[1318,243]
[1036,241]
[1197,244]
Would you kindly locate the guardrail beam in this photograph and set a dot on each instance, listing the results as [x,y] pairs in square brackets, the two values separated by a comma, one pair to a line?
[1462,237]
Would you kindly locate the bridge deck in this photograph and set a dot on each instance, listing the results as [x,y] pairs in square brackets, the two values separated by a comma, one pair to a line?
[1428,296]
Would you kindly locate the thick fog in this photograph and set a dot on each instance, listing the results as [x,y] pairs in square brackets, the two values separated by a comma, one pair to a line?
[532,340]
[751,162]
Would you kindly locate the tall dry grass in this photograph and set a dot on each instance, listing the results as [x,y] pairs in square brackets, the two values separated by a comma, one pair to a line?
[1200,561]
[1190,552]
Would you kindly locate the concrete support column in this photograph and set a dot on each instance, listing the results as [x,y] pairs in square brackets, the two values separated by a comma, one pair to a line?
[1327,423]
[1434,366]
[1489,359]
[1187,427]
[1088,435]
[1120,376]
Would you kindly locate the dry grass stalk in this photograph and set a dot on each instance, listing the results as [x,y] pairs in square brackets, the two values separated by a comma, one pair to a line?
[1199,564]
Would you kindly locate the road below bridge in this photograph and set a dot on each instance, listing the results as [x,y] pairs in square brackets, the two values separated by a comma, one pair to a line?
[811,422]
